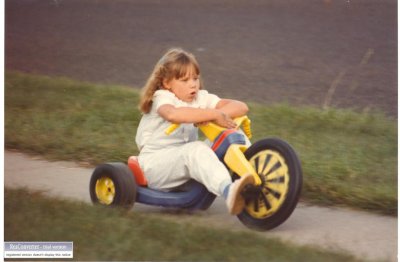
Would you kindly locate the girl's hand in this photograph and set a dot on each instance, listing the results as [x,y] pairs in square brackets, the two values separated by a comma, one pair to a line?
[224,120]
[202,123]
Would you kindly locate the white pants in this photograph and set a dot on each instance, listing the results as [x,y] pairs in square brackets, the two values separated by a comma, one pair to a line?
[168,168]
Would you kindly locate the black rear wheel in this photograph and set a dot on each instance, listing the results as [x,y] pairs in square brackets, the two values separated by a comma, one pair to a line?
[271,203]
[112,184]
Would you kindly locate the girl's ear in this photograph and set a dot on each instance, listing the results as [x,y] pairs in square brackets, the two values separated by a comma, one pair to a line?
[165,84]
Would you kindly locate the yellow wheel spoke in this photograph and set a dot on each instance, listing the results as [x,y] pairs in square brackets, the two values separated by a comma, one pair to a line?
[260,162]
[272,162]
[280,172]
[276,187]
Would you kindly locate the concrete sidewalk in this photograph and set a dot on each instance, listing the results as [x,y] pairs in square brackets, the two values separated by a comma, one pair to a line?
[367,236]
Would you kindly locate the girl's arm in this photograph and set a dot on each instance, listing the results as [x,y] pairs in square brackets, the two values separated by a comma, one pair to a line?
[195,115]
[233,108]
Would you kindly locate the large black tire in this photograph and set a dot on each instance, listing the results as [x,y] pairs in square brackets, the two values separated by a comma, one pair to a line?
[279,168]
[112,184]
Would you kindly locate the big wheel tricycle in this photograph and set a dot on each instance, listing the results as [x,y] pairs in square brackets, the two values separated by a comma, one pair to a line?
[269,202]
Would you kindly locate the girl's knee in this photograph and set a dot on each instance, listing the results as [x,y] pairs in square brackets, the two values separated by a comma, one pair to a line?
[199,149]
[201,146]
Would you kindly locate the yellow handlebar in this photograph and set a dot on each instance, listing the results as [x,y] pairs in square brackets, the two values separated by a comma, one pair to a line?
[243,121]
[246,125]
[171,129]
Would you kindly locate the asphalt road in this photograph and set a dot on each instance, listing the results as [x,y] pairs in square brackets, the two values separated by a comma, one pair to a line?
[367,236]
[339,53]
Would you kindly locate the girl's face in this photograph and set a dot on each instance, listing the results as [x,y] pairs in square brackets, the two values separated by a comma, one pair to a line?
[186,87]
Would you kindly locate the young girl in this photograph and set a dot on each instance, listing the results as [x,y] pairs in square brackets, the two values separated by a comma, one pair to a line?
[174,94]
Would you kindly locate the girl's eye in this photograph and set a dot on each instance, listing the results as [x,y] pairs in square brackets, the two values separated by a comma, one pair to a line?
[185,79]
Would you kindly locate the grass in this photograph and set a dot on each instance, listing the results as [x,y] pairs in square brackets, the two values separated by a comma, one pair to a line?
[103,234]
[348,158]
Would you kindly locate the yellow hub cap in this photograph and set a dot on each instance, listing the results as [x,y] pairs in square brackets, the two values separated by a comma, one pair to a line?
[273,170]
[105,190]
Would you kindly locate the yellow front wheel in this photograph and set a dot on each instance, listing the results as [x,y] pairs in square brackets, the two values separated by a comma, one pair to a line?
[271,203]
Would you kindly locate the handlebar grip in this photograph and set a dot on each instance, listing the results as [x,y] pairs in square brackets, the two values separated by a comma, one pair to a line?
[246,125]
[171,129]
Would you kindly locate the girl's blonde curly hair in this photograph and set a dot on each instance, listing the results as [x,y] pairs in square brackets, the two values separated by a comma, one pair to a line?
[176,63]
